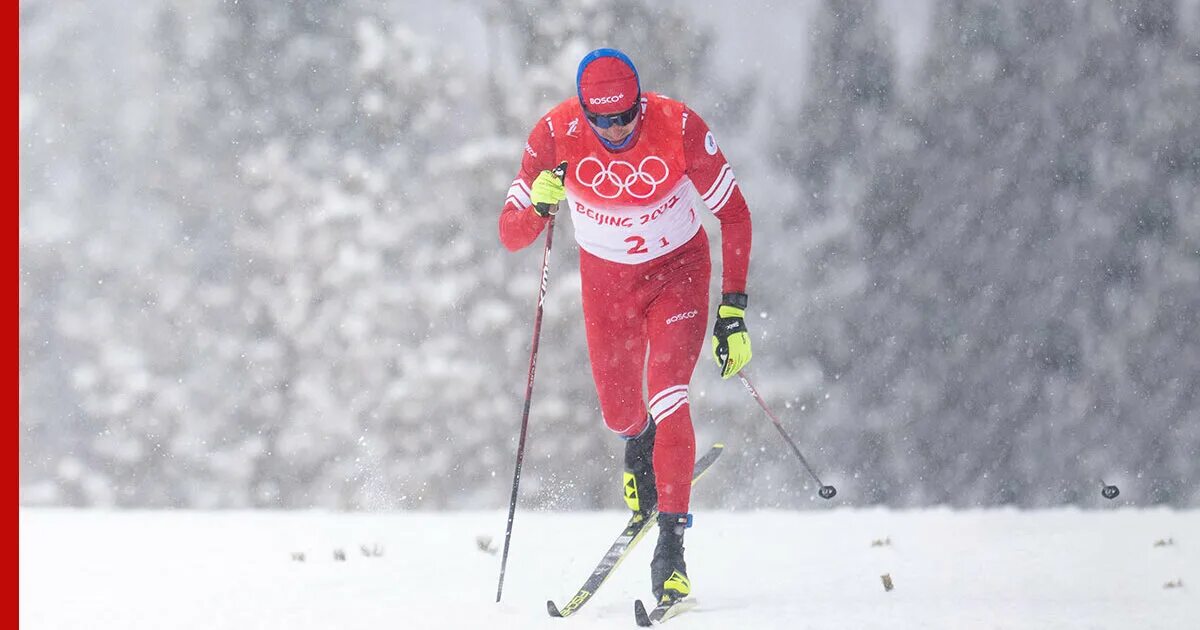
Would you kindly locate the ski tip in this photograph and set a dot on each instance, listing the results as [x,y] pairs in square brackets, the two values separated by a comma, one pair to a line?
[552,609]
[639,614]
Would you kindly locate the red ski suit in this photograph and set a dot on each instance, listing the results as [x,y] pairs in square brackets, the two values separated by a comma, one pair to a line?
[644,262]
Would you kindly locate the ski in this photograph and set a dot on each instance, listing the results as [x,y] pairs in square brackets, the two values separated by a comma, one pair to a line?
[633,533]
[661,612]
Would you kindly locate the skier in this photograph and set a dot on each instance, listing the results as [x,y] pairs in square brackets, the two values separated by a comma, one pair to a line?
[640,168]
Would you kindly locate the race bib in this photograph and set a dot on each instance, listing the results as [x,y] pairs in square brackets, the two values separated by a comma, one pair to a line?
[631,233]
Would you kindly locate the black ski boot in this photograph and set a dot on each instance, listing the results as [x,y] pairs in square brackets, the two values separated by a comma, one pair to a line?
[668,572]
[640,493]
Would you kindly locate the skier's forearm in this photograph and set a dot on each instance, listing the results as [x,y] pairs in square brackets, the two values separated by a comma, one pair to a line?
[735,246]
[519,228]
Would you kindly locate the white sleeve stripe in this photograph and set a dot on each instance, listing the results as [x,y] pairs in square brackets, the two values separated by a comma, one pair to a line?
[721,190]
[717,201]
[725,199]
[519,194]
[722,177]
[670,390]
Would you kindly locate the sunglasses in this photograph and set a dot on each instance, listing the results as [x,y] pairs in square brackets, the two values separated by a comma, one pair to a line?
[620,119]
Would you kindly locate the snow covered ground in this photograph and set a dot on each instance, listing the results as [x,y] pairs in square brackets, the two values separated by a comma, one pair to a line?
[951,569]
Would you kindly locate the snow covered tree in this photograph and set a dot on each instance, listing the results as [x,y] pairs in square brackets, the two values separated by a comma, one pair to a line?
[838,153]
[1026,251]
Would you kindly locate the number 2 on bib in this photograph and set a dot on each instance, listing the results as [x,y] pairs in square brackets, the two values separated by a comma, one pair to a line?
[638,244]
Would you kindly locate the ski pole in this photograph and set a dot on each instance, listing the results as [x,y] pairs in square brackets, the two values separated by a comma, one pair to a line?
[561,171]
[826,492]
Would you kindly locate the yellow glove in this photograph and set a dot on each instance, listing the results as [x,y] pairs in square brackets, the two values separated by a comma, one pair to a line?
[731,342]
[548,190]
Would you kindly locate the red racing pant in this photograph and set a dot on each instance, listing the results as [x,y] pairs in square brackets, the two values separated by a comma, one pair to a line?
[646,326]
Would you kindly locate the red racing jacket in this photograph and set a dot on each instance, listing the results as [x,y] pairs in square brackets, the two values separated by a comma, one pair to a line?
[642,201]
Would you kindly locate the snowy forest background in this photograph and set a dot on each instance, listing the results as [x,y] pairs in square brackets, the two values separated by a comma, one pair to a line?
[259,264]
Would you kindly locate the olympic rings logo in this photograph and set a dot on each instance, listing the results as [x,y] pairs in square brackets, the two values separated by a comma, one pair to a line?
[619,177]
